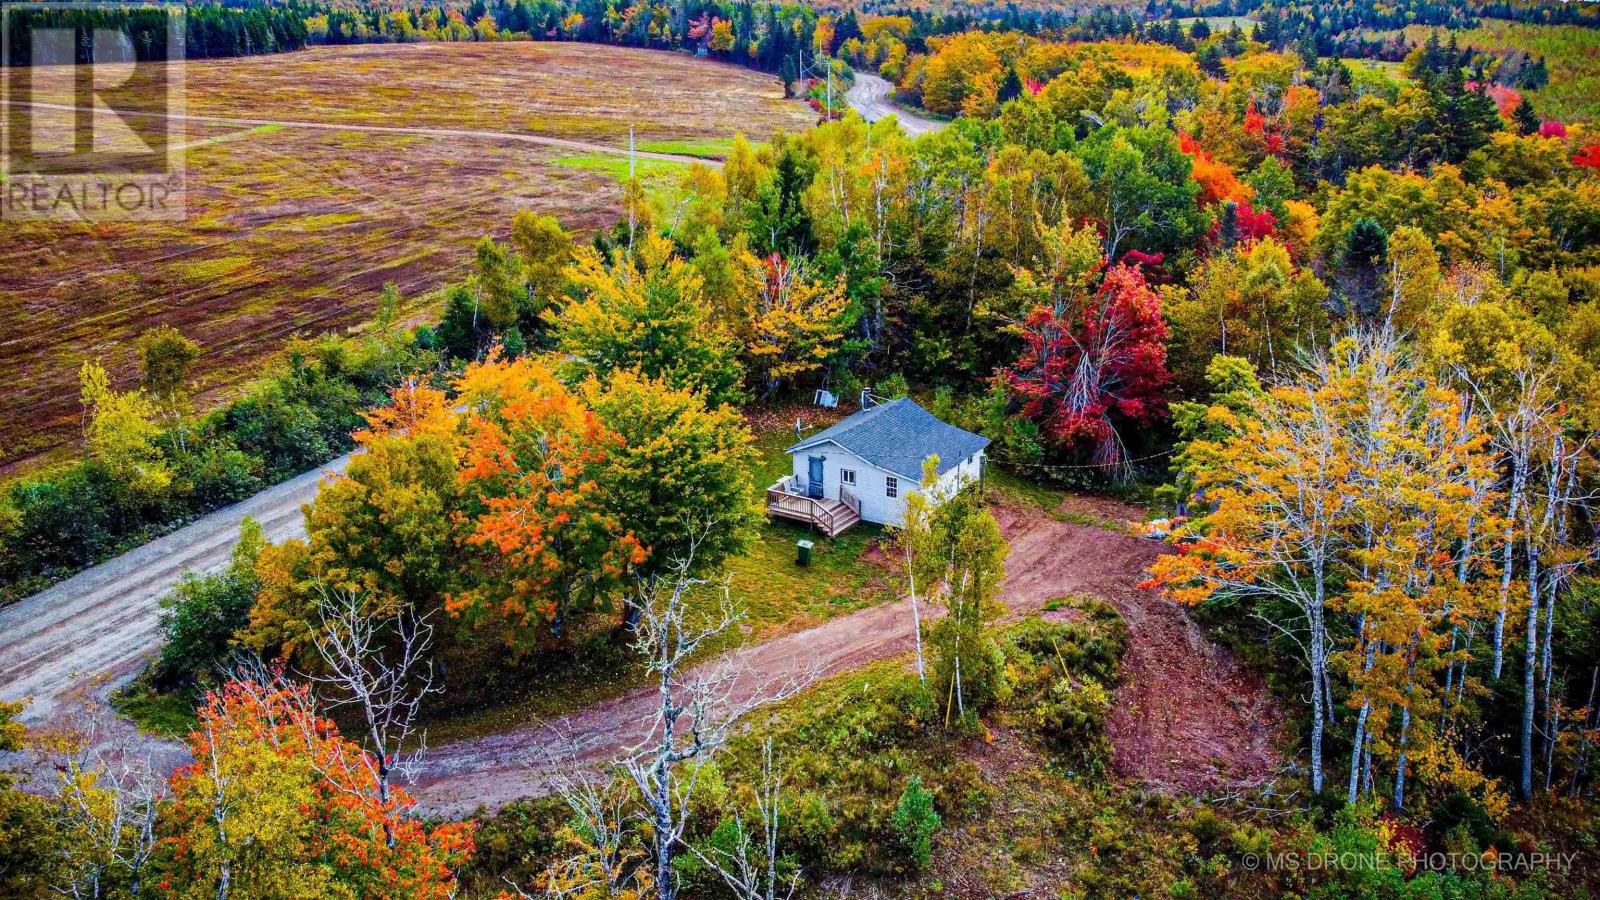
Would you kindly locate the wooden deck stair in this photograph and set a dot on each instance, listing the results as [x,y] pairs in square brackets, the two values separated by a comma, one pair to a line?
[839,516]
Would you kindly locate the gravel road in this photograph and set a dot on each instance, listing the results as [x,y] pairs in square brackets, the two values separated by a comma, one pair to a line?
[105,619]
[869,95]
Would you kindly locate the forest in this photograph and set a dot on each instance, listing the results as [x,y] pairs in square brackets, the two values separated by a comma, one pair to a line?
[1336,329]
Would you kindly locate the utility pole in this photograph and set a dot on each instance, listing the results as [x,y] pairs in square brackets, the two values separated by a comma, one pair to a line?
[830,89]
[632,192]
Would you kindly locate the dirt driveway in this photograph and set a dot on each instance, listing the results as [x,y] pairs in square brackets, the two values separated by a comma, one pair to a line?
[1188,717]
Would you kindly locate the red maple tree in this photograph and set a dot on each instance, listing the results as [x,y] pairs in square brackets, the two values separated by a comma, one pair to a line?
[1093,364]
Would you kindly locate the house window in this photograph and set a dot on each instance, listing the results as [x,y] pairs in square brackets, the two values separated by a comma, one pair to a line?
[891,486]
[847,476]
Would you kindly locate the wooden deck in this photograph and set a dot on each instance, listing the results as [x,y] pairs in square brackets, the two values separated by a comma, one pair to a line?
[831,517]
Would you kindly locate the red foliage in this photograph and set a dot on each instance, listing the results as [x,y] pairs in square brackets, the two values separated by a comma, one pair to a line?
[1552,129]
[1095,364]
[1033,85]
[1249,225]
[1588,157]
[1405,838]
[1254,122]
[1140,258]
[1505,99]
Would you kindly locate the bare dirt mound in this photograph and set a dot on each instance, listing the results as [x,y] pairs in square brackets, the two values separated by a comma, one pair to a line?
[1188,717]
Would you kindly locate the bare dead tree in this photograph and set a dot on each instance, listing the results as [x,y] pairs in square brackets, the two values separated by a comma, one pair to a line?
[107,798]
[698,708]
[750,867]
[380,666]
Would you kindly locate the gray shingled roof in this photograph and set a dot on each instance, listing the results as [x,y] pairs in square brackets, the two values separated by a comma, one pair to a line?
[897,436]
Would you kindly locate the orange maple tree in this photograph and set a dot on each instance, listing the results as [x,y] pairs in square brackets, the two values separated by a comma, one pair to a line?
[279,804]
[531,458]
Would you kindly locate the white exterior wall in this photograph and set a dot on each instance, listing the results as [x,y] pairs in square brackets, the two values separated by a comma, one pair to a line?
[871,481]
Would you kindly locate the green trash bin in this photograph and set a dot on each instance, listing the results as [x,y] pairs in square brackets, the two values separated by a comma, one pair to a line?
[803,552]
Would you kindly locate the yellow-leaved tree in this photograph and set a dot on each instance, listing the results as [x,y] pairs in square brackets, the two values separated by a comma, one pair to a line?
[122,432]
[1353,512]
[796,323]
[646,312]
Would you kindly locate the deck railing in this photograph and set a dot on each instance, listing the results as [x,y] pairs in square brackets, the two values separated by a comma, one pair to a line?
[784,500]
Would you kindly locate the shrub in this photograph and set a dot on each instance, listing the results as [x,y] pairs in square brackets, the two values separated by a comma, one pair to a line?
[1060,674]
[915,821]
[892,387]
[515,844]
[201,614]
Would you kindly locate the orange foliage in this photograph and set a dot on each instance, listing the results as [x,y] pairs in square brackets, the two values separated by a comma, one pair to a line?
[531,452]
[1217,182]
[301,809]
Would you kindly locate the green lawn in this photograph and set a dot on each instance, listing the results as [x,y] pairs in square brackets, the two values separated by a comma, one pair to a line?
[710,148]
[773,593]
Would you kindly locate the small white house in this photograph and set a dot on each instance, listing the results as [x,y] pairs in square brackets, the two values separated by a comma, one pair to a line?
[864,466]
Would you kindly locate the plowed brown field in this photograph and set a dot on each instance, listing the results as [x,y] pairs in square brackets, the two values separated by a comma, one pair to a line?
[315,177]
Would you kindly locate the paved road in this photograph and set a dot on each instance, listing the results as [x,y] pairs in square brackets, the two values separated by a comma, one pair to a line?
[562,143]
[870,97]
[105,619]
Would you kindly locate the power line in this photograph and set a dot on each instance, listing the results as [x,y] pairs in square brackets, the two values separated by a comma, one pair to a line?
[1111,465]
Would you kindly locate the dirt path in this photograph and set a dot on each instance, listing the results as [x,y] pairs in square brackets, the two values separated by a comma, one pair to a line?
[104,620]
[869,96]
[1188,717]
[563,143]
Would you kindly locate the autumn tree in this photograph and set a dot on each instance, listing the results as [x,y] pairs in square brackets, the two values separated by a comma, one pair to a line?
[796,323]
[388,527]
[32,834]
[675,460]
[546,542]
[1252,302]
[1093,360]
[1353,501]
[546,250]
[122,435]
[278,804]
[648,314]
